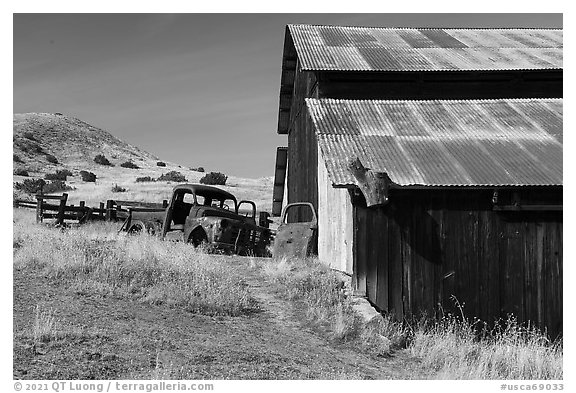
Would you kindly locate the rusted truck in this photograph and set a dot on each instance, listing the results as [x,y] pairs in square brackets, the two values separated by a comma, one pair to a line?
[204,214]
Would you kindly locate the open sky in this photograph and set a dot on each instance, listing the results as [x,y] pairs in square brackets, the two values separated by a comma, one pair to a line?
[195,89]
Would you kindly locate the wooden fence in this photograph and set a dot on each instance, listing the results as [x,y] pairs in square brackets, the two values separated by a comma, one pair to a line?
[112,210]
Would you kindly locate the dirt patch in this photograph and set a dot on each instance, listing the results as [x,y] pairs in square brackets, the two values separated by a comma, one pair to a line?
[113,338]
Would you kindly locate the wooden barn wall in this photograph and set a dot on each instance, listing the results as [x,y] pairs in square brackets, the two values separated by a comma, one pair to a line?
[428,249]
[302,148]
[441,85]
[335,222]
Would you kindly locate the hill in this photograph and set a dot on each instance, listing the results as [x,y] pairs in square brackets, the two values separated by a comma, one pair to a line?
[46,142]
[70,140]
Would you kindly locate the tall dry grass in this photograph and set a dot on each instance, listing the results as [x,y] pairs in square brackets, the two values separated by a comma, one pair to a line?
[94,259]
[44,325]
[320,289]
[454,349]
[450,348]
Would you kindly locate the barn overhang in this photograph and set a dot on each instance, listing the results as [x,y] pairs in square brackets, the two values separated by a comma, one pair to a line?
[464,143]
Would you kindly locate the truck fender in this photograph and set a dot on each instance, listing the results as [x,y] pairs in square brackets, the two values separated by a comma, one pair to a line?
[198,228]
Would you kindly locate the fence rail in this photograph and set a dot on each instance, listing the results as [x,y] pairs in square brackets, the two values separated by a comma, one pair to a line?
[112,210]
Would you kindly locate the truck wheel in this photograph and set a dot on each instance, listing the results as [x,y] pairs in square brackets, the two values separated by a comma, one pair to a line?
[139,227]
[198,237]
[136,228]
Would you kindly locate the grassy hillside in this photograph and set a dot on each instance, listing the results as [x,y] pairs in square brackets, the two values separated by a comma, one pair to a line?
[44,143]
[72,141]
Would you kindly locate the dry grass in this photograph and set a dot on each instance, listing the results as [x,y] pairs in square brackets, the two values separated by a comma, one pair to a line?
[47,328]
[95,260]
[453,349]
[320,289]
[44,325]
[449,349]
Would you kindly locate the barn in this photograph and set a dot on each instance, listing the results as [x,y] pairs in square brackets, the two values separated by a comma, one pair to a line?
[434,160]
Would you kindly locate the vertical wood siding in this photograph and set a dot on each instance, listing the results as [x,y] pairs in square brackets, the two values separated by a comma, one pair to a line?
[335,222]
[428,249]
[302,148]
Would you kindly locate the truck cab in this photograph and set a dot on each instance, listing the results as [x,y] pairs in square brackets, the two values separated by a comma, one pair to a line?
[200,214]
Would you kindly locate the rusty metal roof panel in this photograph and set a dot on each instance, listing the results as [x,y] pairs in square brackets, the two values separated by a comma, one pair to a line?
[504,142]
[384,49]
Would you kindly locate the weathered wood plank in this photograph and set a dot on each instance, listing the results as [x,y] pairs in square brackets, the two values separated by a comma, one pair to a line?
[372,246]
[361,253]
[395,283]
[380,228]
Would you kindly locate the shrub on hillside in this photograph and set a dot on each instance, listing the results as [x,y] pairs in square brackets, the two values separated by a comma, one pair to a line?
[199,169]
[102,160]
[30,186]
[58,175]
[174,176]
[29,135]
[21,172]
[51,159]
[160,163]
[117,188]
[65,172]
[214,178]
[34,186]
[144,179]
[88,176]
[56,186]
[16,158]
[129,164]
[28,146]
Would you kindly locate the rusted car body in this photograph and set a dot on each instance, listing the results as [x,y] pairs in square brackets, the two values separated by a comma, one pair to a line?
[203,214]
[296,239]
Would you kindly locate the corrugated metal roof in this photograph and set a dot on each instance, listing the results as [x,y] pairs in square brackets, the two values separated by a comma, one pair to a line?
[504,142]
[384,49]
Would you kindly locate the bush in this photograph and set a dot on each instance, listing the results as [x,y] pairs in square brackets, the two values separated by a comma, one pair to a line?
[59,175]
[56,186]
[33,186]
[28,146]
[21,172]
[117,188]
[65,172]
[30,186]
[16,158]
[173,176]
[129,164]
[100,159]
[88,176]
[29,135]
[199,169]
[160,163]
[144,179]
[214,178]
[51,159]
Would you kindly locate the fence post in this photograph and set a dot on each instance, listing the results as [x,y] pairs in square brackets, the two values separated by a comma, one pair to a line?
[82,210]
[165,203]
[109,207]
[101,212]
[39,206]
[39,202]
[62,209]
